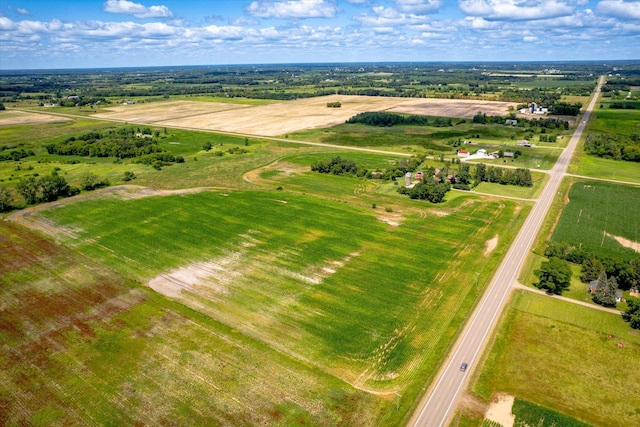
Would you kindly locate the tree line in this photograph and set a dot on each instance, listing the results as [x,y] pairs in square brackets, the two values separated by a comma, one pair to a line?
[381,118]
[615,147]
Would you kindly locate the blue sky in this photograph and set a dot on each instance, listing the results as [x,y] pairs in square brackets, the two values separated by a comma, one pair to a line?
[122,33]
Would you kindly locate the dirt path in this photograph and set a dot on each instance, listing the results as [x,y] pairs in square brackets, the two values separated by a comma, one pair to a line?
[519,285]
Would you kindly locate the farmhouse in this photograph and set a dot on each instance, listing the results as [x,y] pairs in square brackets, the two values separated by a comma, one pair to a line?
[419,175]
[511,122]
[523,143]
[482,152]
[463,153]
[508,154]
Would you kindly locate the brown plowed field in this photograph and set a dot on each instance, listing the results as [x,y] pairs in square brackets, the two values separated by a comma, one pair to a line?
[290,116]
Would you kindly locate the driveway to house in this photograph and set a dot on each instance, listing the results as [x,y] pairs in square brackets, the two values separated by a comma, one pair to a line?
[438,406]
[518,285]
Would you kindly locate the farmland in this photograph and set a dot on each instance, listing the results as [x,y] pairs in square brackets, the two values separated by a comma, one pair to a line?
[237,287]
[306,285]
[82,344]
[598,215]
[539,355]
[286,117]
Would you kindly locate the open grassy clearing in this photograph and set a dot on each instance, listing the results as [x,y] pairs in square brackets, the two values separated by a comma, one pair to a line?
[293,172]
[596,214]
[326,283]
[597,167]
[614,122]
[83,345]
[201,168]
[539,181]
[560,355]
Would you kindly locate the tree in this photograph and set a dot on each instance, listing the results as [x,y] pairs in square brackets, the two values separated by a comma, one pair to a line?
[28,188]
[5,199]
[591,268]
[632,313]
[605,292]
[128,176]
[53,187]
[554,275]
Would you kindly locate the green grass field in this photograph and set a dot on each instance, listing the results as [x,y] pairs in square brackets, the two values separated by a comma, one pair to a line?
[84,346]
[616,122]
[563,356]
[596,212]
[397,137]
[323,282]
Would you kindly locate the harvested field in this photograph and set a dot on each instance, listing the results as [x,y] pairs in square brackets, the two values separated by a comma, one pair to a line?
[13,117]
[171,110]
[460,108]
[291,116]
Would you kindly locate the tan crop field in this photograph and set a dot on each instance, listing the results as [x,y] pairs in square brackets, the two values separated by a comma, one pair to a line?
[157,112]
[291,116]
[14,117]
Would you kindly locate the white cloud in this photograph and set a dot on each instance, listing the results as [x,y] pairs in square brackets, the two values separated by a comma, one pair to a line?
[293,9]
[6,24]
[387,16]
[517,10]
[625,10]
[22,11]
[136,9]
[419,6]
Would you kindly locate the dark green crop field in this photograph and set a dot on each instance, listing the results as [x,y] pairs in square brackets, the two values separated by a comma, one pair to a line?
[596,214]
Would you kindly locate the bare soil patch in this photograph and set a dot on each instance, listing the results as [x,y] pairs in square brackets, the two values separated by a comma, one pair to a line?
[500,410]
[13,117]
[490,245]
[626,242]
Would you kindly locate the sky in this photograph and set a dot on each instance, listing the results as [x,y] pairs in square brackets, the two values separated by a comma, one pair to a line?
[38,34]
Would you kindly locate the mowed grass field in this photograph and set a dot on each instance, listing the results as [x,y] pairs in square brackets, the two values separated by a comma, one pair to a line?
[597,211]
[564,356]
[615,122]
[82,345]
[324,283]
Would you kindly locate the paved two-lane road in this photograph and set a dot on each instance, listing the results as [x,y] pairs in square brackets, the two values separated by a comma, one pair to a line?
[437,407]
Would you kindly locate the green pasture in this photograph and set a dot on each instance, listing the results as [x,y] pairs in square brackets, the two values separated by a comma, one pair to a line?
[539,181]
[617,170]
[225,100]
[551,83]
[565,357]
[324,282]
[371,161]
[82,345]
[200,168]
[616,121]
[426,137]
[595,212]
